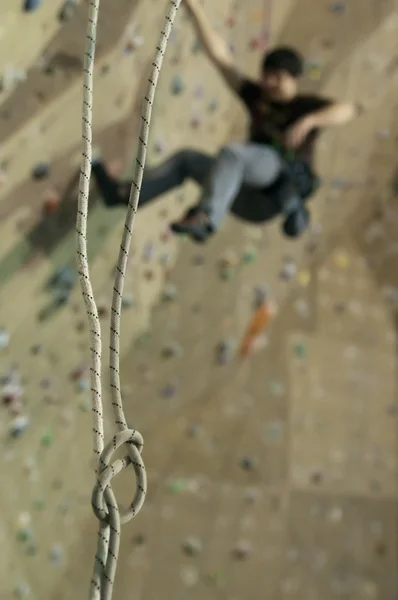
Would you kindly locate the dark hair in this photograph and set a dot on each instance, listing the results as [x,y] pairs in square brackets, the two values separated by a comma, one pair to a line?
[284,58]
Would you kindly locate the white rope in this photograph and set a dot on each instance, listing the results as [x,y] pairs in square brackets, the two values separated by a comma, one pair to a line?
[103,500]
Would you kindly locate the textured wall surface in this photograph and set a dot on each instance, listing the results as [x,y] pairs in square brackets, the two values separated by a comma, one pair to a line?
[271,477]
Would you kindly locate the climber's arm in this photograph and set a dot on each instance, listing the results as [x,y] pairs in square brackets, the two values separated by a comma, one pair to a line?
[336,113]
[215,46]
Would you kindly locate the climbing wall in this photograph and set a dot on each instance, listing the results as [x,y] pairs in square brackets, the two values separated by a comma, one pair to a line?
[277,472]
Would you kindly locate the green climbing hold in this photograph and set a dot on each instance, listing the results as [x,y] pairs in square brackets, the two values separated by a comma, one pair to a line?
[227,273]
[300,351]
[47,438]
[39,504]
[25,534]
[249,256]
[176,486]
[216,578]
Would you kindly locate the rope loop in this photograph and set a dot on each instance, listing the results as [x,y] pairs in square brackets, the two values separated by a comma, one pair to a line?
[104,504]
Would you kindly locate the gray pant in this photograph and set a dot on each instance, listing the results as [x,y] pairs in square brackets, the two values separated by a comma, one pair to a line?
[254,166]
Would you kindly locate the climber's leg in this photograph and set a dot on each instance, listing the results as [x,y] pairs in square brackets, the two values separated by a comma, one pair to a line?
[255,165]
[112,191]
[185,164]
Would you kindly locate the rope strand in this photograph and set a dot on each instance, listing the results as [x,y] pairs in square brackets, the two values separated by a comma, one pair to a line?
[104,503]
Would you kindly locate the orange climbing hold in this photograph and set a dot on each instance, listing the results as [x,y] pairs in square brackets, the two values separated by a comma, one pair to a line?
[258,323]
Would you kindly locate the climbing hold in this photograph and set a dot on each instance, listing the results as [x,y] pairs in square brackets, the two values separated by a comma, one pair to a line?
[56,553]
[341,259]
[338,8]
[274,431]
[148,252]
[212,105]
[51,202]
[170,292]
[248,463]
[67,10]
[102,311]
[31,5]
[289,270]
[159,146]
[176,486]
[316,477]
[149,275]
[194,430]
[249,255]
[41,171]
[177,85]
[172,351]
[78,372]
[47,438]
[227,272]
[192,546]
[23,520]
[225,352]
[314,69]
[260,295]
[242,550]
[83,385]
[299,350]
[139,539]
[4,339]
[24,534]
[304,278]
[19,426]
[189,575]
[195,122]
[170,389]
[128,301]
[231,21]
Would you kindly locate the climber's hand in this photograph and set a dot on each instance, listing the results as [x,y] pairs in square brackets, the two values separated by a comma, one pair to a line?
[297,133]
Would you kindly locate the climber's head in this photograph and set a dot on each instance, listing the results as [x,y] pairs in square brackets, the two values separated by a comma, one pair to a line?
[280,72]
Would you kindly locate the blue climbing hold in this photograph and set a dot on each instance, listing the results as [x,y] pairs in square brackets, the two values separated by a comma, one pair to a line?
[31,5]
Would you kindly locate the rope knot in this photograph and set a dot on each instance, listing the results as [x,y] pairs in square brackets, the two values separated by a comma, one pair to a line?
[102,499]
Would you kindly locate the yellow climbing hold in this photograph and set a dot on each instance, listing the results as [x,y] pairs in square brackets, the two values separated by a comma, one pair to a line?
[304,278]
[314,73]
[341,259]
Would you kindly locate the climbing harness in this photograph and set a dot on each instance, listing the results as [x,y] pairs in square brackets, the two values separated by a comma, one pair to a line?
[103,499]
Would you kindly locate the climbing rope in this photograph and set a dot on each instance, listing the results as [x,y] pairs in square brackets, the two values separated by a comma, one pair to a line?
[104,503]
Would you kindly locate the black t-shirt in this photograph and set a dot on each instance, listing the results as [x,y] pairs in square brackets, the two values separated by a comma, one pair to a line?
[270,120]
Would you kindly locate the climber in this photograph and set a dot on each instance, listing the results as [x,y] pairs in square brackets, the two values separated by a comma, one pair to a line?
[276,161]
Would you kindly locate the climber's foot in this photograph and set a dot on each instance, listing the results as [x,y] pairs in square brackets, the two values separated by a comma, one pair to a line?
[196,224]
